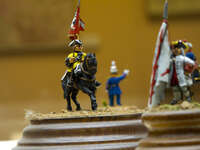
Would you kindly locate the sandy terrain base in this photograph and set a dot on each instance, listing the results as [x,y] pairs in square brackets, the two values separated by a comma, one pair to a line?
[102,111]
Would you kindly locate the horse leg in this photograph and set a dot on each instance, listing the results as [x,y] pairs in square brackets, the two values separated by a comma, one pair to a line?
[74,98]
[93,101]
[68,92]
[92,96]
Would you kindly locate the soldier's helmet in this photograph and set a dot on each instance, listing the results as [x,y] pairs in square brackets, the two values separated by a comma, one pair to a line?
[113,68]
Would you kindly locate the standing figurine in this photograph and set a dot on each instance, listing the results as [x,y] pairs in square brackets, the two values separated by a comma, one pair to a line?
[188,51]
[180,73]
[112,85]
[170,67]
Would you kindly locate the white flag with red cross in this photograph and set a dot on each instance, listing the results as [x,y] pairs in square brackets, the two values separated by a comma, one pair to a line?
[161,63]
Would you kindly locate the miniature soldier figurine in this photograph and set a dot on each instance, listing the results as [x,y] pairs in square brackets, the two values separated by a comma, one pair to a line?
[189,52]
[179,75]
[71,62]
[74,59]
[113,84]
[191,55]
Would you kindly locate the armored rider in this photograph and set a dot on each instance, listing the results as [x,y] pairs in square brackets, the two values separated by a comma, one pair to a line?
[72,60]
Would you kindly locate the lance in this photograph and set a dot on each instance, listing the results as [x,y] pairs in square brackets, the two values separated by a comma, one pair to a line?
[77,35]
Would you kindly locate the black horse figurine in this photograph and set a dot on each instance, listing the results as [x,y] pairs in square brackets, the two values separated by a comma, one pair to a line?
[84,80]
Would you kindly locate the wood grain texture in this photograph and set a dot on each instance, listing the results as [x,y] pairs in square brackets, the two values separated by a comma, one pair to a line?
[120,132]
[172,130]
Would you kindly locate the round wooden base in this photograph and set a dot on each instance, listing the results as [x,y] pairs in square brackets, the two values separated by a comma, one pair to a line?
[120,132]
[178,130]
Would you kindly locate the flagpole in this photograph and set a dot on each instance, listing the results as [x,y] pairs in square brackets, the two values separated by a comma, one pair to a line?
[76,35]
[165,13]
[165,17]
[78,7]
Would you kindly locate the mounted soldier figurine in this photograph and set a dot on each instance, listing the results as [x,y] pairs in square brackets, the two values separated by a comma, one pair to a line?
[73,60]
[81,77]
[81,68]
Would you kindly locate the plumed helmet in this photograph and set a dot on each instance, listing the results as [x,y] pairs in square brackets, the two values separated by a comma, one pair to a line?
[75,43]
[113,67]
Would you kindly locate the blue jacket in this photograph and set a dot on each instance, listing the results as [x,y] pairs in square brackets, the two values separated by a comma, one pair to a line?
[113,85]
[190,55]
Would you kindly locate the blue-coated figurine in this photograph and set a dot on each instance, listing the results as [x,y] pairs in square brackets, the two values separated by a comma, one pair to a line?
[112,85]
[189,52]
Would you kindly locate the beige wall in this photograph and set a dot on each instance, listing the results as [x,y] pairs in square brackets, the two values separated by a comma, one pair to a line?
[126,35]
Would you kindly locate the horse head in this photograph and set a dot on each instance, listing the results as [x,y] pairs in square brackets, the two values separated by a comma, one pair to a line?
[90,63]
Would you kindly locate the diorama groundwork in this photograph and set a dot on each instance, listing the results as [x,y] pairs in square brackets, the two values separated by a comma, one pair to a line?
[185,105]
[102,111]
[110,111]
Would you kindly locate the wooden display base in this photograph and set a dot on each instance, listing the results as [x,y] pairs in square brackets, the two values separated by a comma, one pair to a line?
[111,132]
[173,130]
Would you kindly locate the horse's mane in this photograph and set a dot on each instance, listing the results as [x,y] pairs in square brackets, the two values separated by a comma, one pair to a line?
[90,63]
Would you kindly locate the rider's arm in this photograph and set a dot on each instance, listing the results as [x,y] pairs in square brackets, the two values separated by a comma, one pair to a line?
[68,60]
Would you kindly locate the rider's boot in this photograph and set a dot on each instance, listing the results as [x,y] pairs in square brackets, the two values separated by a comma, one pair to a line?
[69,79]
[70,82]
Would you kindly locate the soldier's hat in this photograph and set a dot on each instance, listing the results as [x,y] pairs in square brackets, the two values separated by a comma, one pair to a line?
[178,44]
[75,42]
[188,46]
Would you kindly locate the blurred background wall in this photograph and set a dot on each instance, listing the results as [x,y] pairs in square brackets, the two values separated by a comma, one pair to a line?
[33,49]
